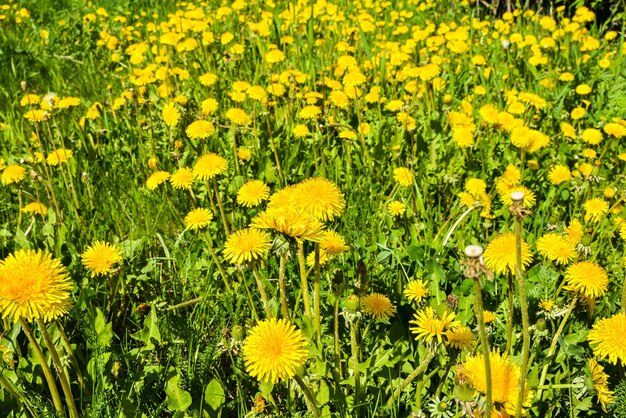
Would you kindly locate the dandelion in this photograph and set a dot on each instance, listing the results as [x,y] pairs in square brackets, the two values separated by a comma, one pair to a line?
[501,256]
[209,165]
[290,221]
[505,377]
[29,100]
[157,178]
[36,207]
[529,196]
[36,115]
[460,337]
[171,115]
[209,106]
[489,316]
[13,173]
[319,197]
[378,306]
[244,154]
[607,338]
[198,218]
[33,285]
[403,176]
[182,178]
[247,245]
[595,209]
[396,208]
[587,278]
[274,350]
[309,112]
[301,131]
[558,174]
[615,130]
[556,248]
[600,383]
[253,193]
[200,129]
[415,291]
[428,326]
[238,117]
[591,136]
[333,243]
[100,257]
[59,156]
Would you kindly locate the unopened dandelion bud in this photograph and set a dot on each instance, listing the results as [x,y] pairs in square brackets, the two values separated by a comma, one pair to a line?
[541,325]
[352,303]
[238,333]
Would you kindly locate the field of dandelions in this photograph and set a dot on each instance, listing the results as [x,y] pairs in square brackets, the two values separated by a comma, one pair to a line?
[271,208]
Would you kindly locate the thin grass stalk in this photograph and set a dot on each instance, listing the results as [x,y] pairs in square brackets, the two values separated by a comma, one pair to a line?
[70,352]
[217,262]
[281,284]
[221,206]
[261,286]
[525,321]
[54,391]
[316,294]
[354,359]
[303,280]
[9,387]
[337,354]
[255,315]
[65,383]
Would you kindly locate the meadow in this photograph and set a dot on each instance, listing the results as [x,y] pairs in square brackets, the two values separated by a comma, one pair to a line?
[264,208]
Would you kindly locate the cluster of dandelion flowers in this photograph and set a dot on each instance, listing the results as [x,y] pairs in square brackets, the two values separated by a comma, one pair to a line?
[247,245]
[209,166]
[378,306]
[319,197]
[501,254]
[100,257]
[198,218]
[403,176]
[587,278]
[33,285]
[253,193]
[505,377]
[556,248]
[607,338]
[600,383]
[274,350]
[415,291]
[13,173]
[428,326]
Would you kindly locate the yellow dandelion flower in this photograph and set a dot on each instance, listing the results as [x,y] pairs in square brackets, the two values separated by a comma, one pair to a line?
[200,129]
[29,100]
[36,207]
[290,221]
[378,306]
[253,193]
[505,377]
[460,337]
[33,285]
[100,257]
[489,316]
[171,115]
[301,131]
[182,178]
[238,117]
[428,326]
[574,231]
[595,209]
[607,338]
[198,219]
[415,290]
[156,179]
[529,196]
[556,248]
[247,245]
[274,350]
[13,173]
[319,197]
[274,56]
[500,255]
[592,136]
[209,106]
[309,112]
[476,187]
[209,165]
[333,243]
[36,115]
[615,130]
[59,156]
[600,383]
[546,304]
[403,176]
[396,208]
[558,174]
[587,278]
[67,102]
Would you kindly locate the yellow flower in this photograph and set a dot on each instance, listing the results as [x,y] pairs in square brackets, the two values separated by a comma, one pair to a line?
[332,243]
[460,337]
[253,193]
[587,278]
[209,106]
[309,112]
[182,178]
[238,117]
[300,131]
[59,156]
[500,255]
[583,89]
[415,290]
[36,115]
[607,338]
[592,136]
[209,165]
[200,129]
[489,316]
[246,245]
[403,176]
[615,130]
[171,115]
[244,154]
[574,231]
[600,383]
[378,306]
[529,196]
[476,187]
[33,285]
[198,218]
[595,209]
[157,178]
[100,257]
[396,208]
[319,197]
[274,350]
[13,173]
[558,174]
[556,248]
[505,377]
[290,221]
[29,100]
[36,207]
[428,326]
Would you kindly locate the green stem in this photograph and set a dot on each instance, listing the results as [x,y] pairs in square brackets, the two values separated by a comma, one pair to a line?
[509,319]
[216,261]
[428,356]
[555,340]
[255,315]
[336,336]
[484,341]
[65,383]
[219,204]
[303,280]
[308,396]
[354,360]
[54,391]
[8,385]
[261,286]
[70,352]
[281,285]
[316,294]
[525,321]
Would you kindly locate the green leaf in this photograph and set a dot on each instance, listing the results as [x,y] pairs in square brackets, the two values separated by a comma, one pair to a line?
[214,394]
[103,329]
[178,399]
[150,330]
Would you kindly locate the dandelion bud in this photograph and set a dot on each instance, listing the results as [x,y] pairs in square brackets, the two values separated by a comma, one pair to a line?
[541,325]
[238,333]
[153,163]
[352,303]
[23,85]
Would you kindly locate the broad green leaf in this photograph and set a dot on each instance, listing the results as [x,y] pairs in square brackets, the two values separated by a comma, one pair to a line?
[178,399]
[214,394]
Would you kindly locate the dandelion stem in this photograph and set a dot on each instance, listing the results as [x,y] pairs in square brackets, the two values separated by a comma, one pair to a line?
[65,383]
[421,368]
[259,283]
[219,204]
[70,352]
[509,319]
[255,315]
[456,224]
[525,321]
[316,294]
[354,360]
[54,391]
[336,335]
[308,396]
[555,340]
[484,341]
[8,385]
[281,285]
[303,281]
[217,262]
